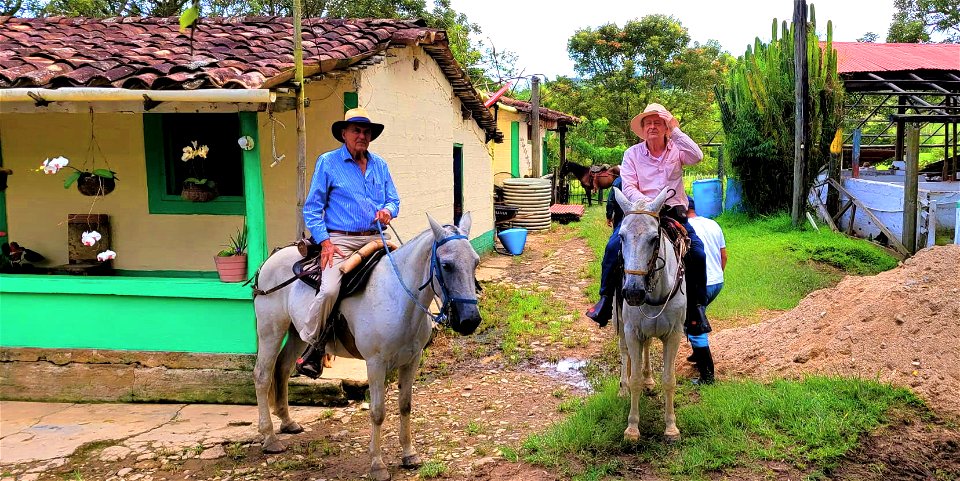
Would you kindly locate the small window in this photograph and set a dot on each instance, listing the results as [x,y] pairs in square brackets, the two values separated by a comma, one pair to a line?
[166,135]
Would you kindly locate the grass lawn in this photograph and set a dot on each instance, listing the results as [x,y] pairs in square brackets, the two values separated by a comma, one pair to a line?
[770,266]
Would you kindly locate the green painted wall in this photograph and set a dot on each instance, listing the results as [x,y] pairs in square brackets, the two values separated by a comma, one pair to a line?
[137,314]
[483,243]
[515,149]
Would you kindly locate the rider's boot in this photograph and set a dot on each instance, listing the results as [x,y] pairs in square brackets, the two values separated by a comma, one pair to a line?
[310,363]
[704,360]
[602,311]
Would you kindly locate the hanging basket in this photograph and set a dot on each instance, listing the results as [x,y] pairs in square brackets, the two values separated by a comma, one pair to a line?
[197,192]
[93,185]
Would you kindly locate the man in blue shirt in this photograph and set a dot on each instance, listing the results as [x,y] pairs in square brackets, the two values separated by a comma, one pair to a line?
[351,191]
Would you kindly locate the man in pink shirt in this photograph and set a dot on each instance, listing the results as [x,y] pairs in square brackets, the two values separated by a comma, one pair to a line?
[648,167]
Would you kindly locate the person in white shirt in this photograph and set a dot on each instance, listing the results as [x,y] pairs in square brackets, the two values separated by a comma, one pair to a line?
[715,248]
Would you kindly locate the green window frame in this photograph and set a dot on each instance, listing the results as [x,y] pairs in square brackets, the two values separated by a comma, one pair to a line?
[159,201]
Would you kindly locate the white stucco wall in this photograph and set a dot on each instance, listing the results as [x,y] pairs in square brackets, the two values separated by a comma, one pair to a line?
[422,123]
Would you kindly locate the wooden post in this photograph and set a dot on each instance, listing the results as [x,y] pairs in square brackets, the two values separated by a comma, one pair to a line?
[535,123]
[898,152]
[801,95]
[855,163]
[558,181]
[911,187]
[944,174]
[301,117]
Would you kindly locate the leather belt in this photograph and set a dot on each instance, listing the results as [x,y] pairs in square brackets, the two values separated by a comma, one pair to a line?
[351,233]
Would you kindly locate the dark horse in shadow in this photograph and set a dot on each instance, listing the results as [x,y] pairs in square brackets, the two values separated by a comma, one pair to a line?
[592,178]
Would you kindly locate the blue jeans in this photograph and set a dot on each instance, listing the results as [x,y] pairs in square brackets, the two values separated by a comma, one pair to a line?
[695,265]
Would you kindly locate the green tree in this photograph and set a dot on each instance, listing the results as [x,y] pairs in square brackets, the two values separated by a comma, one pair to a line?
[917,21]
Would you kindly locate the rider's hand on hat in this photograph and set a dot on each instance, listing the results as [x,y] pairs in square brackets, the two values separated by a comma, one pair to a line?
[327,251]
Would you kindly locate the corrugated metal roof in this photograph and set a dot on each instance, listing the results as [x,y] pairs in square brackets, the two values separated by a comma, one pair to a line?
[853,57]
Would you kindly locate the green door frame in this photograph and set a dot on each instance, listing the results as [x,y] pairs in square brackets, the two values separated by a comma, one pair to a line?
[515,149]
[253,195]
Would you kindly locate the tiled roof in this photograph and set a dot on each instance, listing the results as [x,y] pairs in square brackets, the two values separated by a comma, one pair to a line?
[150,53]
[545,113]
[853,57]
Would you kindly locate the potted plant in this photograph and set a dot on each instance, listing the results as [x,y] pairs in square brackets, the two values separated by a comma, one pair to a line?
[197,188]
[89,182]
[232,261]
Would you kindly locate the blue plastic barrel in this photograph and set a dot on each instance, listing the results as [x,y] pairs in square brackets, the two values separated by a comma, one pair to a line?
[734,199]
[707,194]
[513,240]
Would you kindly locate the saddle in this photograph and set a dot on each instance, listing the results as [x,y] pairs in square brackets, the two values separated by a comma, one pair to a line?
[360,265]
[595,169]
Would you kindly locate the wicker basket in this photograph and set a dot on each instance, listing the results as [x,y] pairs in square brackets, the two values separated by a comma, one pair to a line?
[90,184]
[197,193]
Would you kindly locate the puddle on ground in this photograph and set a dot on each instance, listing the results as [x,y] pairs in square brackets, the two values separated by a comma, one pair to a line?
[568,370]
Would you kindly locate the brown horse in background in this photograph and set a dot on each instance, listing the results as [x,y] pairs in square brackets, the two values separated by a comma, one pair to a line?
[595,177]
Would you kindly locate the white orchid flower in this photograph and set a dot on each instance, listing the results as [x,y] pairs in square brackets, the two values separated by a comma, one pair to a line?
[90,238]
[106,255]
[52,166]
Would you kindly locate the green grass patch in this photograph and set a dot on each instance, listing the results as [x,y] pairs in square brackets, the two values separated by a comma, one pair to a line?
[432,469]
[513,318]
[771,265]
[810,424]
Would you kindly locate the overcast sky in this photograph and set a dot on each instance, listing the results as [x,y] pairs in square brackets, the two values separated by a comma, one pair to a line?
[538,30]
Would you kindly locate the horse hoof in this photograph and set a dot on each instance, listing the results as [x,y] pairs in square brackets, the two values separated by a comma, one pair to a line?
[411,462]
[273,447]
[631,435]
[292,428]
[671,438]
[381,474]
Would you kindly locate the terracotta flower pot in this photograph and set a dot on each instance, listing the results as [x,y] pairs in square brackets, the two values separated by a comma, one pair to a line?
[232,268]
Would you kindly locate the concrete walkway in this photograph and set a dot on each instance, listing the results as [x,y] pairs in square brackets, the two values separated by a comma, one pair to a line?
[35,437]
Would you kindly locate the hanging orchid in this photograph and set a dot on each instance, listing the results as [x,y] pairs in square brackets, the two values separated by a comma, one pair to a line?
[106,255]
[52,166]
[90,238]
[193,151]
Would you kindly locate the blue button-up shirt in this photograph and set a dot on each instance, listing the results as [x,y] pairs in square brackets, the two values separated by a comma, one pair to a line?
[343,198]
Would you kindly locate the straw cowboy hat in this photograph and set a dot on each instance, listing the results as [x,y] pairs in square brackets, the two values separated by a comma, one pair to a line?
[356,116]
[650,111]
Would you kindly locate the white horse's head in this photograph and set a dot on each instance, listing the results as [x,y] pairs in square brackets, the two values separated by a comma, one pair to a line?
[457,276]
[640,240]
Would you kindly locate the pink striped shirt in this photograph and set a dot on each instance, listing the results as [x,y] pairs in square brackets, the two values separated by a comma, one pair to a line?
[644,176]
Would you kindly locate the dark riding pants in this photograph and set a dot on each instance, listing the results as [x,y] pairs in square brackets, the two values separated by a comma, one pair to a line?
[695,268]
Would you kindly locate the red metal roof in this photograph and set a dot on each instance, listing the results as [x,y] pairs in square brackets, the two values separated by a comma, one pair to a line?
[853,57]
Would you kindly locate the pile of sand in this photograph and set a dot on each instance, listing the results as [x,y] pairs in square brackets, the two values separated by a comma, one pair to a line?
[901,326]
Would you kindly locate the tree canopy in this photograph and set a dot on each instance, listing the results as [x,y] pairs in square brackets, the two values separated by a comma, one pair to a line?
[922,20]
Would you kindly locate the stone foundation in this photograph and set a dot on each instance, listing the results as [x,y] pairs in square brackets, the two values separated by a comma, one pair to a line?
[86,375]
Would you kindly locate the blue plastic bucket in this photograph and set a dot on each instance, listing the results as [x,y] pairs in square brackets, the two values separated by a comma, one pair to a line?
[734,200]
[513,240]
[707,194]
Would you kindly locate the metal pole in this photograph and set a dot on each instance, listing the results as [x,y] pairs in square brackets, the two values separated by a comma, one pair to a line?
[301,116]
[911,187]
[800,109]
[535,122]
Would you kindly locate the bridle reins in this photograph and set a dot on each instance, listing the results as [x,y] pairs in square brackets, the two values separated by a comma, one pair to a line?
[651,267]
[436,273]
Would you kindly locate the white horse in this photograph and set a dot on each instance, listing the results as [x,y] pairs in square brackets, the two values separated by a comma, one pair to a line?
[654,306]
[388,322]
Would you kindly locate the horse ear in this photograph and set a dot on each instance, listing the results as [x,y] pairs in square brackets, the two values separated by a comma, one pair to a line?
[625,203]
[464,224]
[661,198]
[437,228]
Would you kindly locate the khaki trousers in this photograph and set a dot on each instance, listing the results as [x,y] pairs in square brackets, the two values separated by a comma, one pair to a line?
[311,327]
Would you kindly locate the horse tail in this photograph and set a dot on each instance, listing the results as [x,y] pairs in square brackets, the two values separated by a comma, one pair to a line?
[284,367]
